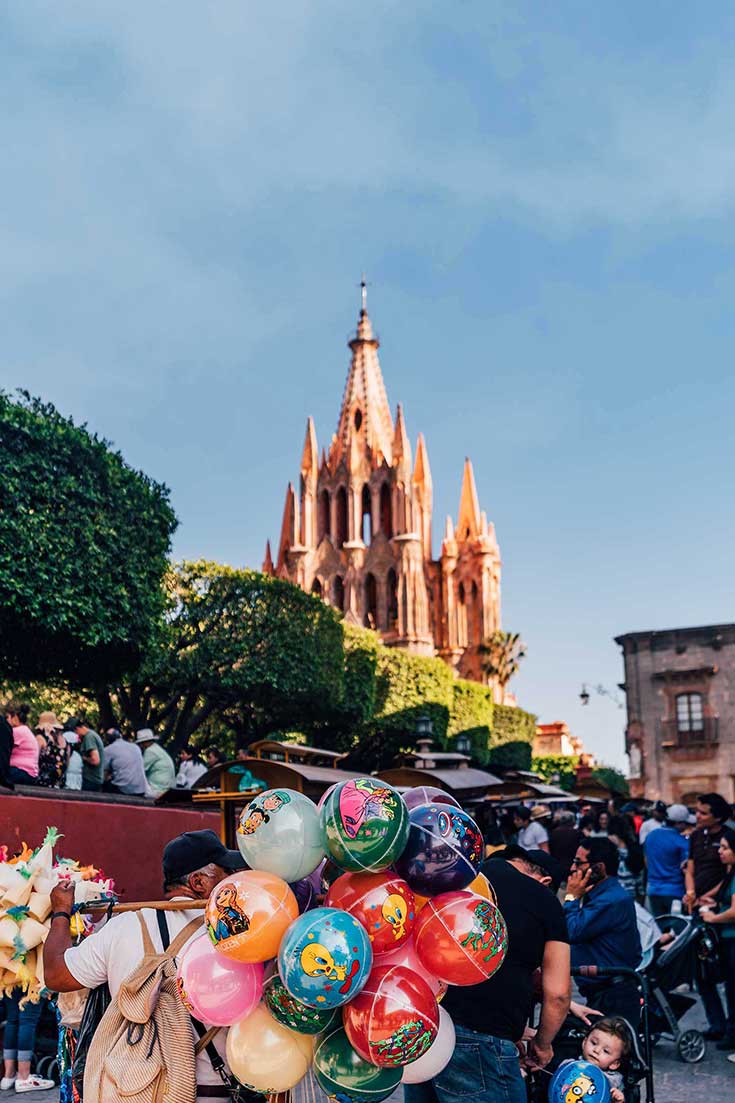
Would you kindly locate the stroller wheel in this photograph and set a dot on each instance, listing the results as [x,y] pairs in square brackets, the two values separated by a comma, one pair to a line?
[691,1046]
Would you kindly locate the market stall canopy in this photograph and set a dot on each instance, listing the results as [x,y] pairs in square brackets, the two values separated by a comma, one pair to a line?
[467,784]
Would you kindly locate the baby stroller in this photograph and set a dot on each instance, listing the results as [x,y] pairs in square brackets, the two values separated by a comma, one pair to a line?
[568,1044]
[693,951]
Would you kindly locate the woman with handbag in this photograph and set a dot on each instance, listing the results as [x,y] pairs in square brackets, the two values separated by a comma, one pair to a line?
[721,914]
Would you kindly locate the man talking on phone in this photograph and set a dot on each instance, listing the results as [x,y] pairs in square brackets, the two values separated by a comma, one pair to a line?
[602,928]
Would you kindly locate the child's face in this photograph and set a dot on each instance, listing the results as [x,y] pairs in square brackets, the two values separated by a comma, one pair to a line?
[602,1049]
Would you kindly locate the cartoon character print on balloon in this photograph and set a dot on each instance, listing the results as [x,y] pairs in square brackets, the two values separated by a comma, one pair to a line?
[409,1042]
[487,933]
[580,1088]
[260,810]
[317,961]
[363,800]
[395,913]
[183,996]
[461,827]
[230,919]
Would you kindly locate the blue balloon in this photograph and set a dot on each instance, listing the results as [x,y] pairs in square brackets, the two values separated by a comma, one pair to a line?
[443,851]
[579,1082]
[325,958]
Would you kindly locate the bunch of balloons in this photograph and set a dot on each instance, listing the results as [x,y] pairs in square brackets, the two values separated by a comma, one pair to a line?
[350,989]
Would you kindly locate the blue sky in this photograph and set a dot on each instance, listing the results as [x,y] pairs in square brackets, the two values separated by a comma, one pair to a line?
[542,197]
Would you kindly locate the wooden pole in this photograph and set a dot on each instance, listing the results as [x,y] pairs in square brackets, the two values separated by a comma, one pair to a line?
[156,905]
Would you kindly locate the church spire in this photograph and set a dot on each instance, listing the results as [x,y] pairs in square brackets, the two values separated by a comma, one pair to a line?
[468,522]
[268,561]
[365,411]
[310,455]
[422,471]
[401,443]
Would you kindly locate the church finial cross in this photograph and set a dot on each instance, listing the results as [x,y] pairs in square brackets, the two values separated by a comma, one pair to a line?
[363,294]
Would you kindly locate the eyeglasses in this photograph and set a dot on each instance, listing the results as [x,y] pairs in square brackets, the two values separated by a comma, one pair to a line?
[579,862]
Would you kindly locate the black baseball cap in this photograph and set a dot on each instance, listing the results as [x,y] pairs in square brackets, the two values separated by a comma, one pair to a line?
[548,864]
[195,849]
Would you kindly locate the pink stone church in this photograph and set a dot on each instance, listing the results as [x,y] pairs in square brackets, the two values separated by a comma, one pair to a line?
[358,532]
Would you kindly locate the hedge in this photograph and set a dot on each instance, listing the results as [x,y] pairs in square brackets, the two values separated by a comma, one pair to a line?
[513,724]
[472,716]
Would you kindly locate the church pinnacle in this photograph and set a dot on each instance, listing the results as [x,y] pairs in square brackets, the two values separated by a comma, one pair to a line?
[357,528]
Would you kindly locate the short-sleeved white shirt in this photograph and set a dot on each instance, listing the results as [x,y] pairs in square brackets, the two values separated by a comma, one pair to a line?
[115,950]
[531,837]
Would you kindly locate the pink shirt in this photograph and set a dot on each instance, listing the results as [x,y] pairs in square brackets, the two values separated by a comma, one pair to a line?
[24,754]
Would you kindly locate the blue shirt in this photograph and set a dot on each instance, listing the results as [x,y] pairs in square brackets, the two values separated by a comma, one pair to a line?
[665,850]
[603,929]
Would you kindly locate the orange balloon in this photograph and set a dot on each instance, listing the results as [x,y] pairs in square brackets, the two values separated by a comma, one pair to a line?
[247,914]
[265,1055]
[421,901]
[482,887]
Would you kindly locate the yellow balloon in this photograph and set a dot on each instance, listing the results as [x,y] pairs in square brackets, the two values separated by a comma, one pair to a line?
[482,887]
[266,1056]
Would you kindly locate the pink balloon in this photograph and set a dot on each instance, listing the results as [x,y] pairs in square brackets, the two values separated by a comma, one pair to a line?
[215,989]
[405,954]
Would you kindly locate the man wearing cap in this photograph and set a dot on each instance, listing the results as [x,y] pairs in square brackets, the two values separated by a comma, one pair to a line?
[124,768]
[532,835]
[657,819]
[193,863]
[91,748]
[666,852]
[160,772]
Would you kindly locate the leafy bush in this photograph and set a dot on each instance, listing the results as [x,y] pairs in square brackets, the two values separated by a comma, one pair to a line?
[83,546]
[472,716]
[515,755]
[563,767]
[511,724]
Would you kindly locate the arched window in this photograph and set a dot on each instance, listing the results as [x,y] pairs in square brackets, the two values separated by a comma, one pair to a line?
[366,519]
[338,593]
[474,617]
[689,713]
[386,512]
[341,517]
[325,525]
[316,587]
[461,617]
[392,588]
[370,618]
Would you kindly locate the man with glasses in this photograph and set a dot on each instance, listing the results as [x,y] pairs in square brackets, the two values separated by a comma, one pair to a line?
[602,927]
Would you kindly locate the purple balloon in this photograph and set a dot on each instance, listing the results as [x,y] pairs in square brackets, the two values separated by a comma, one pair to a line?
[303,890]
[428,794]
[443,852]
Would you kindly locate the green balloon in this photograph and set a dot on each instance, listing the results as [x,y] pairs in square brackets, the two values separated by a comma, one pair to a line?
[294,1014]
[364,824]
[346,1078]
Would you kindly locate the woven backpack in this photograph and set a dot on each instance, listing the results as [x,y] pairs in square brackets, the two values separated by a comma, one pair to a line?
[143,1049]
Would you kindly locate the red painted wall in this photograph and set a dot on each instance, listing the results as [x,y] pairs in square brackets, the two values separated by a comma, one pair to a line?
[124,840]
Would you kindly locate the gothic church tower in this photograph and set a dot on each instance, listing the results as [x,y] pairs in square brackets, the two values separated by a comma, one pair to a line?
[358,533]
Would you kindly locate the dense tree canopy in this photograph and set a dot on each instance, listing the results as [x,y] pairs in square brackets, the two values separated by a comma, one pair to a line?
[252,651]
[83,548]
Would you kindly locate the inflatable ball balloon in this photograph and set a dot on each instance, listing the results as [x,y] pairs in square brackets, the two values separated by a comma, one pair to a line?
[461,938]
[482,887]
[579,1082]
[405,955]
[343,1075]
[279,833]
[364,824]
[382,902]
[291,1012]
[265,1056]
[443,851]
[437,1056]
[325,958]
[428,794]
[247,915]
[394,1019]
[214,989]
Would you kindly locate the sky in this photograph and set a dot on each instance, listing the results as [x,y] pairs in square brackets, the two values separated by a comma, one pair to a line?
[542,198]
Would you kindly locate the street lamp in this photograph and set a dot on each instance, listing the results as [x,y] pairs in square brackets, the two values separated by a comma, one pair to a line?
[463,743]
[584,695]
[424,727]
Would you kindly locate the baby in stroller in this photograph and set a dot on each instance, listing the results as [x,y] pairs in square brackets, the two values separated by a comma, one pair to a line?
[608,1046]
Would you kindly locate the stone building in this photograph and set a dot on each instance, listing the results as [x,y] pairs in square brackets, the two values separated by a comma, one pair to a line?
[680,691]
[556,738]
[358,530]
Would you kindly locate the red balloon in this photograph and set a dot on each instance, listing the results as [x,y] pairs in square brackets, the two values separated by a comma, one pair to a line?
[407,957]
[460,937]
[394,1019]
[381,902]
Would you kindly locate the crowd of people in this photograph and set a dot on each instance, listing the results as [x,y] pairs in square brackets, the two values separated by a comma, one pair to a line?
[72,755]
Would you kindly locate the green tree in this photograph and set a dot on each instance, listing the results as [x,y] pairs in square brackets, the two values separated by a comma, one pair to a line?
[251,652]
[559,769]
[84,541]
[612,779]
[501,655]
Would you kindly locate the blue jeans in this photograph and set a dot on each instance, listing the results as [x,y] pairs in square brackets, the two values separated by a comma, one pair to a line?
[483,1069]
[20,1027]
